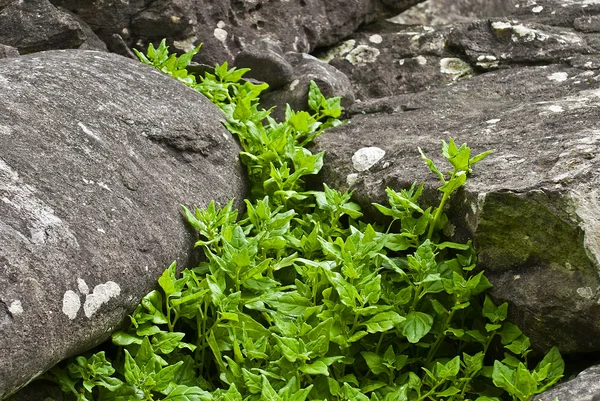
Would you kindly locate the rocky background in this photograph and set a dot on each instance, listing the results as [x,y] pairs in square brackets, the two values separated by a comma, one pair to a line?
[94,160]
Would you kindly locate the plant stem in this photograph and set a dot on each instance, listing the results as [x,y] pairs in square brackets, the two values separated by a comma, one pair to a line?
[436,217]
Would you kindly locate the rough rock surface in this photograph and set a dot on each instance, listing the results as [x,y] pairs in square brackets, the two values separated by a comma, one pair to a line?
[97,152]
[36,25]
[531,207]
[388,59]
[8,51]
[441,12]
[227,27]
[585,387]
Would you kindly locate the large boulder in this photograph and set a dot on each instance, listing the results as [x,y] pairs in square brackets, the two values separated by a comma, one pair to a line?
[97,152]
[227,27]
[532,207]
[36,25]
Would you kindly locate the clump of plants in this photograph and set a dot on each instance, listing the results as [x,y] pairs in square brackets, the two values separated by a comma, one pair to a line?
[301,299]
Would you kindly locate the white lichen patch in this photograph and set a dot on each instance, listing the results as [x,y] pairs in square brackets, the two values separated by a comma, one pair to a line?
[537,9]
[493,121]
[15,307]
[487,62]
[339,50]
[102,294]
[420,60]
[556,109]
[220,34]
[187,45]
[220,24]
[364,158]
[558,76]
[519,32]
[351,179]
[71,304]
[455,67]
[82,286]
[175,19]
[585,292]
[377,39]
[363,55]
[293,84]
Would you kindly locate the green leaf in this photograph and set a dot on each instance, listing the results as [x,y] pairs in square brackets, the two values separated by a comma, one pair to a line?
[185,393]
[383,322]
[374,362]
[416,326]
[316,368]
[132,370]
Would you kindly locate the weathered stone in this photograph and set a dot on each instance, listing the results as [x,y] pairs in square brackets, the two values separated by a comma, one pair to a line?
[531,207]
[227,27]
[267,63]
[492,43]
[585,387]
[388,59]
[442,12]
[8,51]
[97,153]
[307,68]
[36,25]
[561,13]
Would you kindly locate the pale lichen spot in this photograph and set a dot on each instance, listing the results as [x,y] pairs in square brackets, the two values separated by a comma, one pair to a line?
[100,230]
[585,292]
[537,9]
[555,109]
[82,286]
[377,39]
[558,76]
[187,45]
[516,276]
[401,61]
[487,62]
[293,84]
[455,67]
[15,307]
[339,50]
[363,55]
[421,60]
[220,34]
[102,294]
[71,304]
[364,158]
[493,121]
[220,24]
[351,179]
[175,19]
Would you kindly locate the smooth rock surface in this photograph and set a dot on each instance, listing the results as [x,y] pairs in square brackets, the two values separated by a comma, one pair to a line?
[97,152]
[306,68]
[531,208]
[585,387]
[36,25]
[227,27]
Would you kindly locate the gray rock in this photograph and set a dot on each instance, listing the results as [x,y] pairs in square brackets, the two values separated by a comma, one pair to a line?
[8,51]
[531,208]
[97,154]
[585,387]
[267,63]
[306,68]
[386,59]
[442,12]
[36,25]
[227,27]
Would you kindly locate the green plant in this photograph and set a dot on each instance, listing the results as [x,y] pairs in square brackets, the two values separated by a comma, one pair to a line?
[300,299]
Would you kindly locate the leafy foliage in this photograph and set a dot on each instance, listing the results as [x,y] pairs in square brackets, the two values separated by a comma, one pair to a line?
[301,300]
